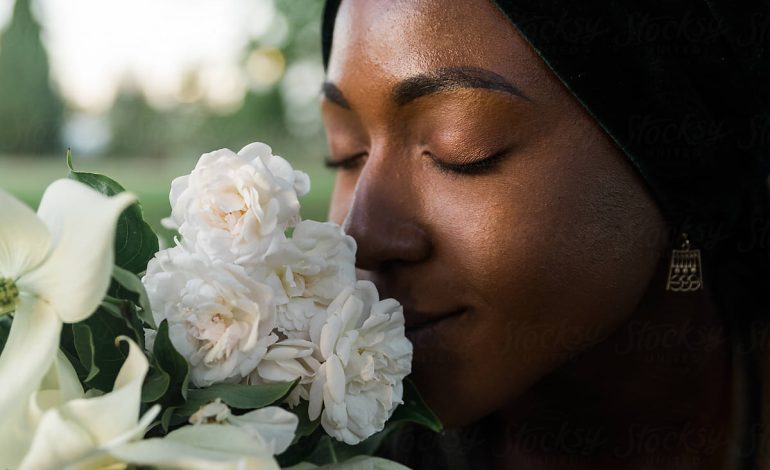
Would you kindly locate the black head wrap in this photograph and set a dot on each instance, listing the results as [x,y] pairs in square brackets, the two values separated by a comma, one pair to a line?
[683,89]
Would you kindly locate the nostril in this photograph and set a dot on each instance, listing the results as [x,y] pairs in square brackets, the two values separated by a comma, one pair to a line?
[385,217]
[383,240]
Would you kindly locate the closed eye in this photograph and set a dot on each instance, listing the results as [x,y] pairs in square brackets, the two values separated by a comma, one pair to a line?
[478,167]
[348,163]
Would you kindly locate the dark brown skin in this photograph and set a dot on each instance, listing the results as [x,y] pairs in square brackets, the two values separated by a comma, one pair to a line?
[533,287]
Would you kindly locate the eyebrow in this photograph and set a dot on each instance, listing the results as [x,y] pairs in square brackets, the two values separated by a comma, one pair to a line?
[452,78]
[444,79]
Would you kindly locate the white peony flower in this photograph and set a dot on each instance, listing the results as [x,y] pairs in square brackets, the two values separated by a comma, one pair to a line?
[231,204]
[288,360]
[309,271]
[219,318]
[366,357]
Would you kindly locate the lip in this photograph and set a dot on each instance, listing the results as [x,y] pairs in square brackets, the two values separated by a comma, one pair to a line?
[416,320]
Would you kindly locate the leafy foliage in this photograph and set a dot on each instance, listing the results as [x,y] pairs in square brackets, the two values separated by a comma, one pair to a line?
[414,410]
[238,396]
[135,242]
[92,347]
[313,445]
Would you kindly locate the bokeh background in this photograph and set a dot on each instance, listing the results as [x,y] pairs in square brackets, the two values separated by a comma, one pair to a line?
[139,89]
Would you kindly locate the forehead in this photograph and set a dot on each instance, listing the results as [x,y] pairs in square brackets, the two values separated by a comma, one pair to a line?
[380,42]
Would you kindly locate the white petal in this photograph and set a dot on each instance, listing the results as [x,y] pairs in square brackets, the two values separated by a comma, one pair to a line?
[121,405]
[77,273]
[79,432]
[301,183]
[63,379]
[58,442]
[204,447]
[255,150]
[283,371]
[273,425]
[335,383]
[315,403]
[63,443]
[24,239]
[27,356]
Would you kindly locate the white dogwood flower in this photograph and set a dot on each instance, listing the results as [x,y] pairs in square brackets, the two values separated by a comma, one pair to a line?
[55,267]
[73,431]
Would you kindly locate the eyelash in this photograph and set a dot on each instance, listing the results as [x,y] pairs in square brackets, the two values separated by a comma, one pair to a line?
[348,163]
[480,167]
[485,165]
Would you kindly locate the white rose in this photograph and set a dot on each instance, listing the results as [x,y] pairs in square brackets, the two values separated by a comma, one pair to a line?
[285,361]
[310,269]
[231,204]
[366,357]
[219,318]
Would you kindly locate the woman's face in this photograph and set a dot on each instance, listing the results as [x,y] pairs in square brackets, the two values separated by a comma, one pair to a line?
[482,197]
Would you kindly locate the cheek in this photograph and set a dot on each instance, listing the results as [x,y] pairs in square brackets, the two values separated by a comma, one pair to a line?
[554,252]
[572,222]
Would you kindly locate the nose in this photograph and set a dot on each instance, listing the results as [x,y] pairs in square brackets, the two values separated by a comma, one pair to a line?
[384,217]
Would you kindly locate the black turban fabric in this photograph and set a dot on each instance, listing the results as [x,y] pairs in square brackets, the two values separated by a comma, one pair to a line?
[683,88]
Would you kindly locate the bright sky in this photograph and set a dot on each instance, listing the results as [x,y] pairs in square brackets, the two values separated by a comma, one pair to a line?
[95,45]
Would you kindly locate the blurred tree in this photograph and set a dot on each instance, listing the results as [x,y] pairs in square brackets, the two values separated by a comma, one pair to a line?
[138,129]
[184,130]
[30,110]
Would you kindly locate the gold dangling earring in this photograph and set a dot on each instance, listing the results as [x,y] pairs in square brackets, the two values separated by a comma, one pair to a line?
[684,273]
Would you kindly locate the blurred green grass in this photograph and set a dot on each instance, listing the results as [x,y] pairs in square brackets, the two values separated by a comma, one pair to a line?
[150,179]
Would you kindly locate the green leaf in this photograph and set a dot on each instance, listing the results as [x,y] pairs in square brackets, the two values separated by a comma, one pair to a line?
[245,397]
[90,344]
[167,359]
[132,283]
[67,346]
[103,328]
[312,444]
[155,385]
[135,242]
[306,438]
[368,446]
[165,419]
[126,312]
[414,410]
[302,449]
[112,306]
[5,329]
[305,426]
[324,453]
[85,348]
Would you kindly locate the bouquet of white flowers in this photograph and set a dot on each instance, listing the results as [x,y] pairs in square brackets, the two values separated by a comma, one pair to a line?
[248,344]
